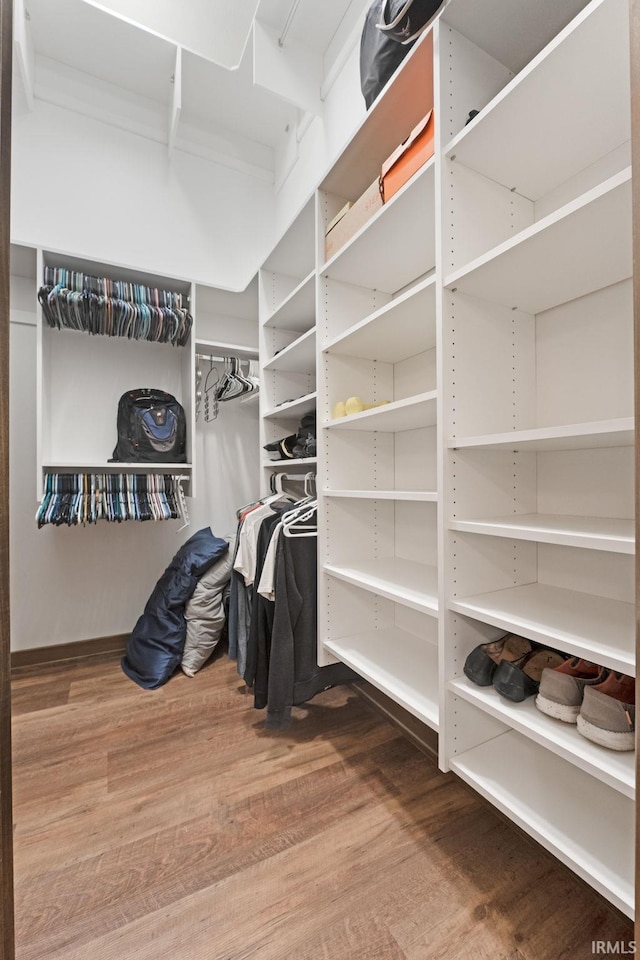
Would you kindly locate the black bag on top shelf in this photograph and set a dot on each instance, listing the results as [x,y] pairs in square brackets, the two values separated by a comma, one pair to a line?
[390,29]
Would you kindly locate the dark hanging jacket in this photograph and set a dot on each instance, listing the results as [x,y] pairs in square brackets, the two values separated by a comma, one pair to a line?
[294,674]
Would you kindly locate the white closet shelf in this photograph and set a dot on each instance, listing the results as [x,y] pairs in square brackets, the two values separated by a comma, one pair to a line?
[576,436]
[402,328]
[402,665]
[581,624]
[293,408]
[213,347]
[78,467]
[407,225]
[506,141]
[595,533]
[297,357]
[290,464]
[406,582]
[428,496]
[559,258]
[410,414]
[297,311]
[593,839]
[612,767]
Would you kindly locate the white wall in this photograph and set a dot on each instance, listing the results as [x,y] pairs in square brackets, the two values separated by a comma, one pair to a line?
[323,141]
[77,583]
[83,186]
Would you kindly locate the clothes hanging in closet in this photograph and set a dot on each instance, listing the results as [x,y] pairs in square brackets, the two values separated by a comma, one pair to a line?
[244,571]
[273,629]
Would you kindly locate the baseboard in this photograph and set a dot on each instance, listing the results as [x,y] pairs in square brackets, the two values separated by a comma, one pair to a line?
[69,651]
[419,733]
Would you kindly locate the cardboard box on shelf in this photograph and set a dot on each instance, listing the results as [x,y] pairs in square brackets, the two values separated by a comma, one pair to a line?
[339,215]
[352,219]
[407,159]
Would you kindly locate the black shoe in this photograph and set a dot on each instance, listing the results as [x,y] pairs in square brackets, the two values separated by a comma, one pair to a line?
[482,663]
[519,680]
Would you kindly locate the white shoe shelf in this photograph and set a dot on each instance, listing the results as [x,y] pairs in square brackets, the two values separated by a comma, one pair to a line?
[489,303]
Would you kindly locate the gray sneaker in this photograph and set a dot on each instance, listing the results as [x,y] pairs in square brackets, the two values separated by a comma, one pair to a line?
[608,713]
[561,690]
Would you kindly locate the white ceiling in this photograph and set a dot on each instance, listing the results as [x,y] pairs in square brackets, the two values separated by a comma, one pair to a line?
[132,45]
[213,96]
[314,23]
[86,38]
[215,29]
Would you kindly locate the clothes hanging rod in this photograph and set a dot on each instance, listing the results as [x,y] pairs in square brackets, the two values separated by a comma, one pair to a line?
[229,356]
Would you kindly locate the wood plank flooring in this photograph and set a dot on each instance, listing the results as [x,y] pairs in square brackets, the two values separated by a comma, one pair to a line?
[170,825]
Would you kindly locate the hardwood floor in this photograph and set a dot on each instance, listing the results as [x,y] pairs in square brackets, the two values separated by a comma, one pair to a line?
[170,825]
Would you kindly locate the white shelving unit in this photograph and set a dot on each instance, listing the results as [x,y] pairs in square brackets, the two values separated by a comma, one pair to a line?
[287,312]
[489,304]
[81,379]
[537,404]
[379,500]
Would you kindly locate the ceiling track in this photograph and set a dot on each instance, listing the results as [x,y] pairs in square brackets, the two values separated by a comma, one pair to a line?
[288,22]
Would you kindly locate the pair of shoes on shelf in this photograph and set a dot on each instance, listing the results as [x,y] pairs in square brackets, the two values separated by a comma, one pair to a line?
[513,664]
[346,408]
[601,702]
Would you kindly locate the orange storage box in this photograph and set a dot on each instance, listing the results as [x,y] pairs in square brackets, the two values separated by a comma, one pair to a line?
[412,154]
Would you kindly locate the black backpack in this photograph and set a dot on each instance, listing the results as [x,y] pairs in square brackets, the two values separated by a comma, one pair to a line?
[152,428]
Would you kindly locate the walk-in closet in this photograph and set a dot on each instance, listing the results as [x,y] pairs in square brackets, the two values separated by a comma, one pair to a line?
[318,511]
